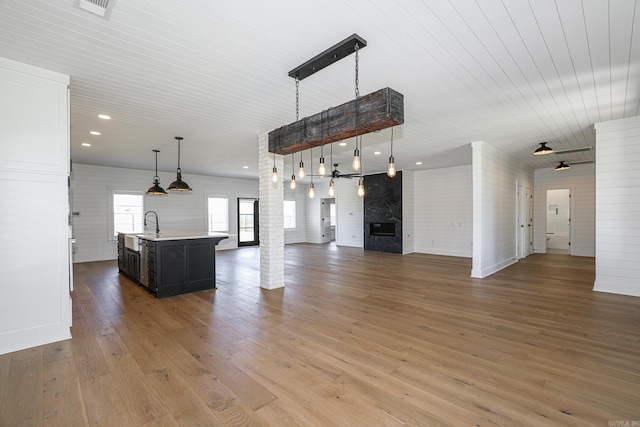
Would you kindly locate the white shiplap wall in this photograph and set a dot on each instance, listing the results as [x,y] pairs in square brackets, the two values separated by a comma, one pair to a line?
[349,214]
[408,211]
[618,206]
[314,217]
[299,234]
[580,179]
[444,211]
[90,187]
[496,178]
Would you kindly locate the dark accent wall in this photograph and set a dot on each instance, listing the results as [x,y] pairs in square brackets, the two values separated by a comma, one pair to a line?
[383,206]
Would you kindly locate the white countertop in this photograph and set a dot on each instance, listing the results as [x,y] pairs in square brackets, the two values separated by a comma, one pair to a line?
[179,235]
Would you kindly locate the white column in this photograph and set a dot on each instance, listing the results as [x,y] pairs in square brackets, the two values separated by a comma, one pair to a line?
[271,217]
[617,206]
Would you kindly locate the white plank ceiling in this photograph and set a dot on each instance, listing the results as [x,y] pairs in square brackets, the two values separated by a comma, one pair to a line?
[512,73]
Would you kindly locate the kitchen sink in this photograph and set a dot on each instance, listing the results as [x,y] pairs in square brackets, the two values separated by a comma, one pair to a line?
[132,242]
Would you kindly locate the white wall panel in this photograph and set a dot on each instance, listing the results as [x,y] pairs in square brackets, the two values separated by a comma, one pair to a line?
[297,235]
[349,214]
[408,211]
[35,304]
[91,187]
[617,209]
[443,211]
[496,177]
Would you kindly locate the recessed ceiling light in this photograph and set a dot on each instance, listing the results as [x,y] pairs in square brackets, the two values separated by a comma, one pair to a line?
[377,153]
[418,163]
[94,132]
[245,167]
[104,117]
[86,144]
[342,144]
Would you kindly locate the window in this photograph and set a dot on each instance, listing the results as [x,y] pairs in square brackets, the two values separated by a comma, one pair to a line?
[289,214]
[128,212]
[218,215]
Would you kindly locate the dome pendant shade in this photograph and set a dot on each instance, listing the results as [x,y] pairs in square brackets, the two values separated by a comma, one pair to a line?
[543,149]
[563,166]
[156,190]
[179,184]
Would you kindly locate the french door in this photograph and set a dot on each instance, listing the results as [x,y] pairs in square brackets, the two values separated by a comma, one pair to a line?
[248,222]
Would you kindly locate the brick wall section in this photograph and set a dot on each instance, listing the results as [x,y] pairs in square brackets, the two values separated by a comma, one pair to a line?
[271,217]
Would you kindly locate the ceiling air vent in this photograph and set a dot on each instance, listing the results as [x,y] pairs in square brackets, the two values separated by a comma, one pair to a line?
[97,7]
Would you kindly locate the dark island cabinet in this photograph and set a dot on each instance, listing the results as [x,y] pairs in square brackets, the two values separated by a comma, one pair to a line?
[180,266]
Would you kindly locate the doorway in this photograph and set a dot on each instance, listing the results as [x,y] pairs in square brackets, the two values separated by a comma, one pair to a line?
[248,222]
[558,230]
[328,219]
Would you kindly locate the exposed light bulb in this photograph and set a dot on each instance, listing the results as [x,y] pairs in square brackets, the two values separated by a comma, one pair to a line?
[360,188]
[391,169]
[322,170]
[292,185]
[274,176]
[312,191]
[332,190]
[301,170]
[355,165]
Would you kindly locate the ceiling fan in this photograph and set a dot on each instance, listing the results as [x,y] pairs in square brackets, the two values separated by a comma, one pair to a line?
[335,173]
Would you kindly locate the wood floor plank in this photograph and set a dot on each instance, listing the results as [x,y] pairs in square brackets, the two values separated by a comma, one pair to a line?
[22,401]
[63,401]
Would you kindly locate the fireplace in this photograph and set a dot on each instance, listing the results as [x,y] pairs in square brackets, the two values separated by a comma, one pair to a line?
[382,229]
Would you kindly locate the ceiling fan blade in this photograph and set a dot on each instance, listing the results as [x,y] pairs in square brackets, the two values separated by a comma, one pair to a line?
[578,162]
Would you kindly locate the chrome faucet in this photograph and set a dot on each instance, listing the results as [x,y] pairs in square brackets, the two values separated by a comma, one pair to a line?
[156,215]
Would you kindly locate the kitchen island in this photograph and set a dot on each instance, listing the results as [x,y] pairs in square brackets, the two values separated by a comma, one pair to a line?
[177,262]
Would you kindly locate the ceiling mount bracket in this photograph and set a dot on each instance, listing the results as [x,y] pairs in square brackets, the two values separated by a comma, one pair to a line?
[335,53]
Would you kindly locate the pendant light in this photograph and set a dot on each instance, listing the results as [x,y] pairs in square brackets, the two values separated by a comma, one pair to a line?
[322,170]
[356,153]
[301,173]
[274,176]
[179,184]
[156,190]
[312,191]
[292,185]
[355,164]
[391,169]
[543,149]
[361,187]
[562,166]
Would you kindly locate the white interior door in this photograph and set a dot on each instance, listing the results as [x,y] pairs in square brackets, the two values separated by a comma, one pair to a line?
[529,226]
[325,222]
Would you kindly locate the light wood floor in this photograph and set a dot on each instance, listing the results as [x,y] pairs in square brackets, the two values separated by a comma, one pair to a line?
[355,339]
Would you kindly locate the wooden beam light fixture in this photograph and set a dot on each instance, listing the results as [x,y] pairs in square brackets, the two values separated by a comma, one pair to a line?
[378,110]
